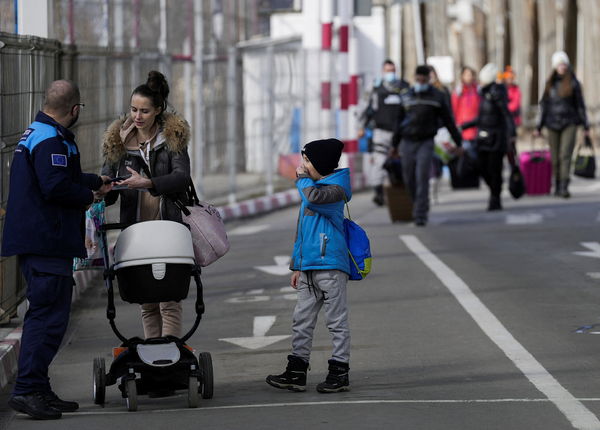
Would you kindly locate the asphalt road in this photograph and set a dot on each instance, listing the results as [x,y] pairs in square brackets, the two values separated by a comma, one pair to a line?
[469,323]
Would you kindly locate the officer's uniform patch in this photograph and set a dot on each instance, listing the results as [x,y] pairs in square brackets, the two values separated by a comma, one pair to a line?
[59,160]
[26,135]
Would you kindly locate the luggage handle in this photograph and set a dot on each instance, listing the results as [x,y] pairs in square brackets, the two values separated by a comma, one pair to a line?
[533,139]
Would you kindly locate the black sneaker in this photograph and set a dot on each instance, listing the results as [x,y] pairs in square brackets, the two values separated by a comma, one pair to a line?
[294,377]
[337,379]
[35,405]
[60,405]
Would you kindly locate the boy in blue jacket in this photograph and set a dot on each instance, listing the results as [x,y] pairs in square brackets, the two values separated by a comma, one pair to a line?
[320,267]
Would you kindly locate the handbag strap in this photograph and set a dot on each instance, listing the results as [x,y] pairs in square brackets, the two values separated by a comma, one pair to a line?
[191,194]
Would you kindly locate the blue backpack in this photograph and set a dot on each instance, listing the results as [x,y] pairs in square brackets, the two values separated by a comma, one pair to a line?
[359,249]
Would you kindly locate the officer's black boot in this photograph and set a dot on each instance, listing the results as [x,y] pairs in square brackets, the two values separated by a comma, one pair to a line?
[337,379]
[294,377]
[564,189]
[35,405]
[495,204]
[378,198]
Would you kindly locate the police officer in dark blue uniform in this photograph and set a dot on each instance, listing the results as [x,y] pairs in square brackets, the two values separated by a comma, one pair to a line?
[44,227]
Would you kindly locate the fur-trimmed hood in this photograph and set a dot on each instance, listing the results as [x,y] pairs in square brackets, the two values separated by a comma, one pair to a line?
[174,128]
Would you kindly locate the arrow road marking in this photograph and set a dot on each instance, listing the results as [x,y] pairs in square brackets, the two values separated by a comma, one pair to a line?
[259,338]
[594,250]
[281,267]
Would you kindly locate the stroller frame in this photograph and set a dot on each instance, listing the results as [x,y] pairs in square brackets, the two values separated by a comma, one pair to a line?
[139,377]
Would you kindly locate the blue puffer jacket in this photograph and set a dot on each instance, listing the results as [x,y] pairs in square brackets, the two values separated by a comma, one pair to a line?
[320,243]
[48,194]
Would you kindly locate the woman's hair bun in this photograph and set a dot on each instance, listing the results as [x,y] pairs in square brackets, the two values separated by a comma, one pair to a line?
[158,83]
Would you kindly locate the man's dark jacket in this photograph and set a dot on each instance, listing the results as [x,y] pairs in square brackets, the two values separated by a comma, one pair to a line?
[422,114]
[384,104]
[48,194]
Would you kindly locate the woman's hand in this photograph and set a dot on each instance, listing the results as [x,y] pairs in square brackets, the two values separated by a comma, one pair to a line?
[136,181]
[294,279]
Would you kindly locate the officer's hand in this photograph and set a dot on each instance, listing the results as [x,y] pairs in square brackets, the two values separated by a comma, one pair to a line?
[104,189]
[136,180]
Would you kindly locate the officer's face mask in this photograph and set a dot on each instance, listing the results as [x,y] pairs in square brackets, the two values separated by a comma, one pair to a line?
[421,88]
[389,76]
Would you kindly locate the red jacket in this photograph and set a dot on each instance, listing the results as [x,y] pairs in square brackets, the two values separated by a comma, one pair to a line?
[465,105]
[514,103]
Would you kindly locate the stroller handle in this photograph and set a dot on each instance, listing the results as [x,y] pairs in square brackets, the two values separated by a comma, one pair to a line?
[115,226]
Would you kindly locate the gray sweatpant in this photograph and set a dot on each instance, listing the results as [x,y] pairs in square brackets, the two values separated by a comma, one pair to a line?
[315,289]
[416,168]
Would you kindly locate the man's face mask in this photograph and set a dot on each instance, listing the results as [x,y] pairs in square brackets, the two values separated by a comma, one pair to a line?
[389,76]
[421,88]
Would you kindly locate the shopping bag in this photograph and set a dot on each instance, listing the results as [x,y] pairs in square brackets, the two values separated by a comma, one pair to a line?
[516,184]
[94,218]
[585,161]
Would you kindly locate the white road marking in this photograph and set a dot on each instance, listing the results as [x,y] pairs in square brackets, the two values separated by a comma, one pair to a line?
[247,230]
[260,327]
[579,416]
[594,250]
[593,275]
[325,403]
[281,267]
[521,219]
[287,289]
[247,299]
[256,291]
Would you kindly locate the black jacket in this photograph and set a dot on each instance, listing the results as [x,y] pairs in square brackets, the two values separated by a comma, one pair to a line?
[557,112]
[422,114]
[169,167]
[384,104]
[494,122]
[48,194]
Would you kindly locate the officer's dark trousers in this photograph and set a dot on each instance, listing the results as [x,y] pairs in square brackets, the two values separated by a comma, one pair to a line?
[44,326]
[416,158]
[490,168]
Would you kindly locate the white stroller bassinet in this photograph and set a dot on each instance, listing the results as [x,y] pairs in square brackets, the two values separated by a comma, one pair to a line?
[154,262]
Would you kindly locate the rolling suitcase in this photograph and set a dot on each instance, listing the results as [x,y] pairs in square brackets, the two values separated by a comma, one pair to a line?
[536,168]
[397,196]
[398,202]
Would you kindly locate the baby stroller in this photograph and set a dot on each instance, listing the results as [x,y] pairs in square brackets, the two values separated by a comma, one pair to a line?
[153,262]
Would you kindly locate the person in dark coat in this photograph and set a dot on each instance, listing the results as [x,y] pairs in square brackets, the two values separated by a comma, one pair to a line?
[495,132]
[562,110]
[150,146]
[44,227]
[382,111]
[423,111]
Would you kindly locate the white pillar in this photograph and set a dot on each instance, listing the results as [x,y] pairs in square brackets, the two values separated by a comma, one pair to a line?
[198,170]
[311,43]
[416,9]
[34,18]
[345,12]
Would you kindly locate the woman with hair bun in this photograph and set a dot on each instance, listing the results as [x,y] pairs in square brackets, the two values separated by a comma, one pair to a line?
[149,146]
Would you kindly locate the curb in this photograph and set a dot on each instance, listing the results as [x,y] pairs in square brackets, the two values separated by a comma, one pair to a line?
[266,204]
[9,356]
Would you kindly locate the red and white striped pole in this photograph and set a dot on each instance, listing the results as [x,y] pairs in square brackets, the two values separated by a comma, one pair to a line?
[325,65]
[353,93]
[345,11]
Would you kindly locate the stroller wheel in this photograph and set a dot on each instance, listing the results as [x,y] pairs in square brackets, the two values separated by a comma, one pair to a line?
[193,392]
[206,375]
[132,403]
[99,381]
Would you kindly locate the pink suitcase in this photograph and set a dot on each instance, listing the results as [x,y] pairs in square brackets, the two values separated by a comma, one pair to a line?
[536,167]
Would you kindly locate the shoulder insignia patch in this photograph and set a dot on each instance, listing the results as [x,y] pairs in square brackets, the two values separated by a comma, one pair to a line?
[59,160]
[26,135]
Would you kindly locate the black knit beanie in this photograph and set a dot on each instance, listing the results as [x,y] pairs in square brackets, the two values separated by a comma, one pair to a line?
[324,154]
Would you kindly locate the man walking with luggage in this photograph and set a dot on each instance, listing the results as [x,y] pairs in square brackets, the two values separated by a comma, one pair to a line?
[382,110]
[422,111]
[44,227]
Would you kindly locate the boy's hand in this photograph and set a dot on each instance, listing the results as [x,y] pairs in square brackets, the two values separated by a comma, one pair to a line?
[294,279]
[300,170]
